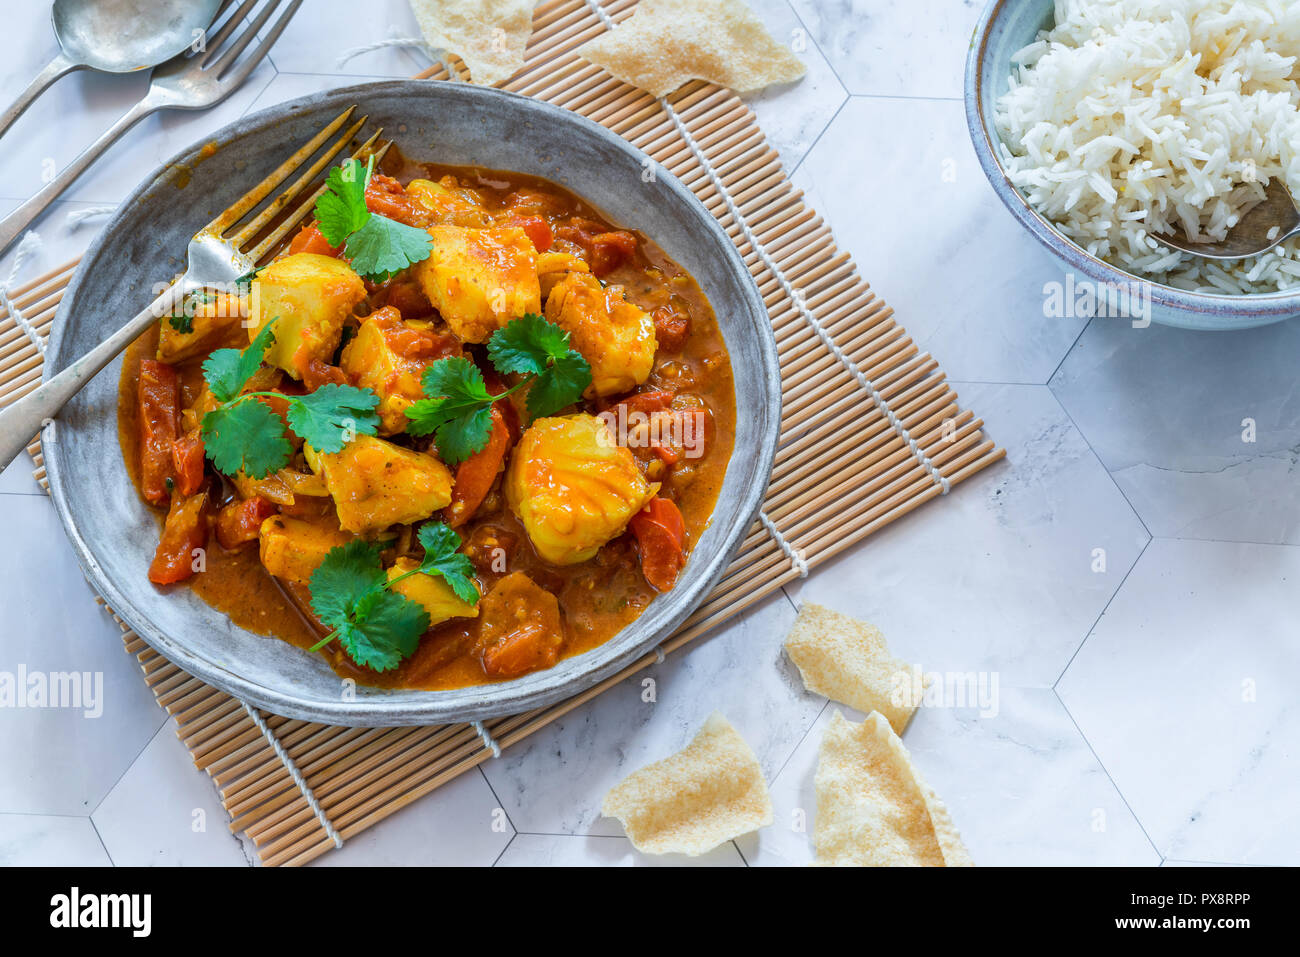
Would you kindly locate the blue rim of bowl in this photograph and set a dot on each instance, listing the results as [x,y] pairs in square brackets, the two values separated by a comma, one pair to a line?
[1220,311]
[375,711]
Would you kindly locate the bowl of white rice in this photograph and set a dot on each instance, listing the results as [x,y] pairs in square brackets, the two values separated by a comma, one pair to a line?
[1103,124]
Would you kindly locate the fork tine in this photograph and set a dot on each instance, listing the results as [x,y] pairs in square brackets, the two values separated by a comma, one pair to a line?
[297,216]
[263,48]
[228,57]
[254,226]
[237,210]
[214,43]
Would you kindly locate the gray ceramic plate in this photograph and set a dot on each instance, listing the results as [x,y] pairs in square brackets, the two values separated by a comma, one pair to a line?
[114,534]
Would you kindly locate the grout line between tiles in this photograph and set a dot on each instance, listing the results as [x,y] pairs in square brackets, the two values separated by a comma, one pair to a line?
[1101,764]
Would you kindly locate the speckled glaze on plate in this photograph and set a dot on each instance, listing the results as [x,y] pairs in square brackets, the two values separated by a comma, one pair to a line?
[1007,26]
[113,532]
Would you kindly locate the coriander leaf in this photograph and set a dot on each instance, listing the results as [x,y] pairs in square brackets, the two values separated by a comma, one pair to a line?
[376,627]
[333,415]
[385,629]
[457,410]
[560,385]
[527,344]
[246,436]
[182,323]
[442,558]
[383,246]
[347,573]
[227,371]
[341,209]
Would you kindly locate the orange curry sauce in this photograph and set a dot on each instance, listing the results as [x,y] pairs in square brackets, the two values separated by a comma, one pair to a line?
[598,597]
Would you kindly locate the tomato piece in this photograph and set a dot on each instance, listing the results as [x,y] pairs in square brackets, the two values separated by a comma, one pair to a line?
[184,531]
[672,327]
[160,418]
[387,197]
[661,539]
[239,522]
[611,250]
[311,240]
[666,453]
[474,476]
[187,460]
[605,251]
[316,373]
[408,297]
[538,230]
[653,400]
[520,628]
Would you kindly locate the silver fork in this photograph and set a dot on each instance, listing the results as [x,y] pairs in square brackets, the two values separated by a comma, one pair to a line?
[213,259]
[190,81]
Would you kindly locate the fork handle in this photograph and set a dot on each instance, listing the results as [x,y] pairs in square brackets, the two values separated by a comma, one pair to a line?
[56,68]
[21,420]
[13,225]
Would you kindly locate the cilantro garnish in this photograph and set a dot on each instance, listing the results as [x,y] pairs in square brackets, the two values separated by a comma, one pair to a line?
[457,406]
[459,412]
[533,346]
[376,245]
[243,435]
[378,627]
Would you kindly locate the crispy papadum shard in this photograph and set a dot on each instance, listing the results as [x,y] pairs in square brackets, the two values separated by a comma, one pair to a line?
[489,35]
[847,660]
[873,808]
[667,42]
[704,795]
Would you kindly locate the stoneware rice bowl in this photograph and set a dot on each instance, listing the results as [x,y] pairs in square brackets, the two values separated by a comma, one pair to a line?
[1008,26]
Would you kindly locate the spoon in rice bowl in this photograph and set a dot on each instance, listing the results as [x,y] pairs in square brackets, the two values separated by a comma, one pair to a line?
[1264,226]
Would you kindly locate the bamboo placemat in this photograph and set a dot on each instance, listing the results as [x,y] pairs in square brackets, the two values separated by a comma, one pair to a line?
[870,430]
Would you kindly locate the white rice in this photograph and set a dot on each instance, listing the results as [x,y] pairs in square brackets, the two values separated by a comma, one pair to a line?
[1134,117]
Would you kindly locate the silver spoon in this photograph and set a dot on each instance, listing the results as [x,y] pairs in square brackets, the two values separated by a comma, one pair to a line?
[116,36]
[1250,236]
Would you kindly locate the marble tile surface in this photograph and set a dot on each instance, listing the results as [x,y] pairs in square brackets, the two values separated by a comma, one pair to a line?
[1201,432]
[1146,751]
[603,850]
[62,760]
[907,48]
[1021,785]
[1185,690]
[1000,577]
[39,840]
[934,241]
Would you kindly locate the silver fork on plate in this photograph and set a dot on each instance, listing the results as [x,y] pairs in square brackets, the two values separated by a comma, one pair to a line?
[190,81]
[213,259]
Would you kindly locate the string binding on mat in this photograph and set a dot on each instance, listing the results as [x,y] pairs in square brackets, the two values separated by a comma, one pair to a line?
[877,399]
[294,773]
[417,43]
[489,742]
[794,554]
[28,247]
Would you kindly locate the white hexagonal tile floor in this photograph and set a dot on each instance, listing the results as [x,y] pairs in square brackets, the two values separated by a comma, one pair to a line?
[898,182]
[1007,575]
[1186,691]
[1202,432]
[906,48]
